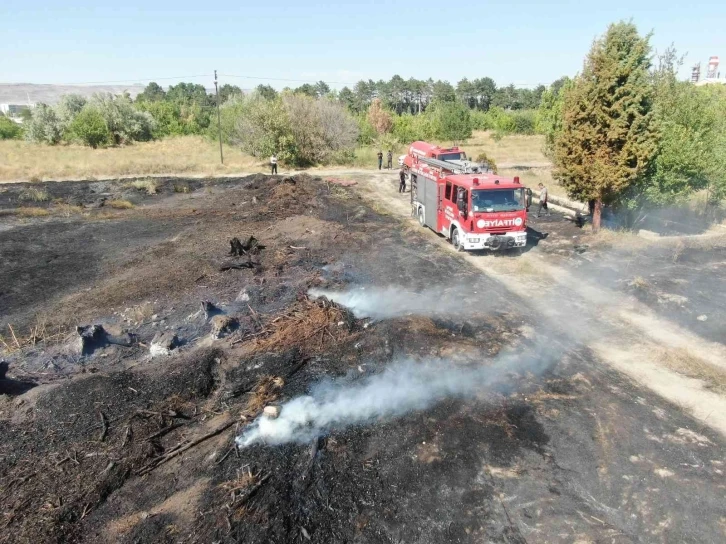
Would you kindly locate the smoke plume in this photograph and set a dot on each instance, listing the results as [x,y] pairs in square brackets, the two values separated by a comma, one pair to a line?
[389,302]
[402,387]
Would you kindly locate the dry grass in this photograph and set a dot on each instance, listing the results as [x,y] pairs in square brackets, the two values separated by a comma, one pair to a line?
[120,204]
[21,160]
[32,211]
[33,194]
[515,150]
[621,239]
[640,283]
[14,340]
[66,210]
[149,185]
[681,361]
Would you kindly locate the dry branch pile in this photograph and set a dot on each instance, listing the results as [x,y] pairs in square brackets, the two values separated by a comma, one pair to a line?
[311,325]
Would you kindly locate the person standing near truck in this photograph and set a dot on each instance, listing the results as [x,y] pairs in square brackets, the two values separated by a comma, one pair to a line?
[402,183]
[380,159]
[389,157]
[543,200]
[273,164]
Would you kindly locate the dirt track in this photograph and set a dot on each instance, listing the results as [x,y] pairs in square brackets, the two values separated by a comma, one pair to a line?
[578,453]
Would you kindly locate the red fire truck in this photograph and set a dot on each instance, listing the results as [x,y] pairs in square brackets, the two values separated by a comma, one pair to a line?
[475,209]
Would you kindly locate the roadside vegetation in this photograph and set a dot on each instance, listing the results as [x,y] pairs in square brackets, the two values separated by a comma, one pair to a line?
[630,136]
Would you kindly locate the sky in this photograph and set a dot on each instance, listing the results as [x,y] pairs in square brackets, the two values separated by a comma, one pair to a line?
[525,43]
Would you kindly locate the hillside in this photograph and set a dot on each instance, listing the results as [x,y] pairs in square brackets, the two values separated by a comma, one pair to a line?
[21,93]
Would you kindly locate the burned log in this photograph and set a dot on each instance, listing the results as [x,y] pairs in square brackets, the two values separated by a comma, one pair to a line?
[233,265]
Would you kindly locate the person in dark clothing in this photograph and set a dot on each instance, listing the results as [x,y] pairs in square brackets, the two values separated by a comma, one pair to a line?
[528,198]
[591,205]
[402,183]
[389,157]
[380,159]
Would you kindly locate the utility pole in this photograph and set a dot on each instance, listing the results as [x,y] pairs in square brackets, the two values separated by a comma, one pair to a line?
[219,118]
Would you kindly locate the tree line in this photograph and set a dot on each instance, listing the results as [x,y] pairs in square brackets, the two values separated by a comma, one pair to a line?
[415,109]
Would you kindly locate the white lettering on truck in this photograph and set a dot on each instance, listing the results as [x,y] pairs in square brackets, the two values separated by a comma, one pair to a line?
[484,223]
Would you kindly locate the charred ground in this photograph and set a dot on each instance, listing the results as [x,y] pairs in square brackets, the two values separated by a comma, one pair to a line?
[113,446]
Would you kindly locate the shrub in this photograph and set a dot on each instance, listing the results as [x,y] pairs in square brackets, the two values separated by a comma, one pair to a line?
[68,107]
[124,122]
[379,118]
[366,133]
[90,128]
[120,204]
[44,125]
[9,130]
[299,129]
[33,194]
[149,186]
[483,158]
[450,120]
[320,128]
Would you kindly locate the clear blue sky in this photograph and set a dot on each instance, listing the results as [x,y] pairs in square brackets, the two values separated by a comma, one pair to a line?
[52,41]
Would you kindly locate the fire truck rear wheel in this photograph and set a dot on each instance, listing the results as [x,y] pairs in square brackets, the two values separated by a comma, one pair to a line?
[421,219]
[455,240]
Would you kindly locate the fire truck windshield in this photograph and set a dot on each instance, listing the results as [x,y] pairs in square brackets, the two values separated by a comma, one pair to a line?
[450,156]
[497,200]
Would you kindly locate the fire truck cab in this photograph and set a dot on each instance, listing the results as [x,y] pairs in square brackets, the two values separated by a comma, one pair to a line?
[475,211]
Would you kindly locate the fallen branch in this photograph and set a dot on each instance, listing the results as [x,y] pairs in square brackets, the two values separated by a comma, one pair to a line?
[164,431]
[104,427]
[297,247]
[250,492]
[179,450]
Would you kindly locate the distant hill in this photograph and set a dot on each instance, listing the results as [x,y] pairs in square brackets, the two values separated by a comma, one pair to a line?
[21,93]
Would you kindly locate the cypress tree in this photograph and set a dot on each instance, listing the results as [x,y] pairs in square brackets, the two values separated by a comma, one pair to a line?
[607,138]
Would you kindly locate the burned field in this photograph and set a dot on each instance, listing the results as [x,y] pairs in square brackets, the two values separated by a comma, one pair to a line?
[103,442]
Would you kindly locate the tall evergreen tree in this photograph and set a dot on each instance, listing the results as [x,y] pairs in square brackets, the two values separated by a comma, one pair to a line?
[608,137]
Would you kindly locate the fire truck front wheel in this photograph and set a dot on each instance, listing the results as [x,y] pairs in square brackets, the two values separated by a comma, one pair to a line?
[455,240]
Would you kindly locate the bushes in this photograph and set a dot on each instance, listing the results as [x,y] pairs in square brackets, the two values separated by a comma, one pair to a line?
[90,128]
[300,129]
[123,123]
[9,130]
[44,126]
[379,118]
[505,122]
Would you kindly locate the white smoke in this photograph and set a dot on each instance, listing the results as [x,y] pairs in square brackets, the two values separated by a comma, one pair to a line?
[402,387]
[388,302]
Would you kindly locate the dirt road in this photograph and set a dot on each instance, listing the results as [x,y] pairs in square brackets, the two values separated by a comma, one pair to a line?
[110,445]
[623,332]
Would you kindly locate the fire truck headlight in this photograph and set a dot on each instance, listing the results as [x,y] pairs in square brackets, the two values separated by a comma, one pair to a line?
[474,240]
